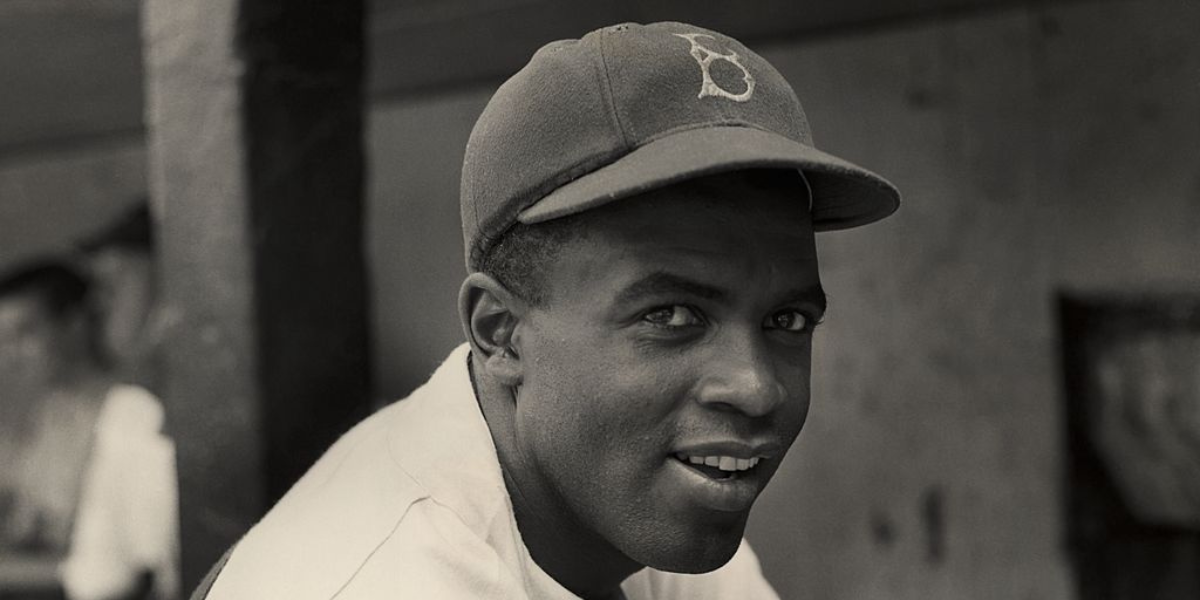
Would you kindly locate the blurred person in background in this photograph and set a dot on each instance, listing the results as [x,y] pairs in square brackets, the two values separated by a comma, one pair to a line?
[120,259]
[91,479]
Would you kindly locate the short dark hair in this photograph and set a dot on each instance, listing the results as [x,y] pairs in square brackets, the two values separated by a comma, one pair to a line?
[523,255]
[58,287]
[132,230]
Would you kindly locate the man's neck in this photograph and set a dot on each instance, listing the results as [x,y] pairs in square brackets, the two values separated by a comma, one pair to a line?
[571,553]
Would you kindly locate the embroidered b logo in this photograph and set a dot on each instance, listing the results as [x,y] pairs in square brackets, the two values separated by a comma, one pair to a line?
[705,58]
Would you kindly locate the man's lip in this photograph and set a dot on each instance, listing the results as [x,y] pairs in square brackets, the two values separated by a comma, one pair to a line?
[733,494]
[733,448]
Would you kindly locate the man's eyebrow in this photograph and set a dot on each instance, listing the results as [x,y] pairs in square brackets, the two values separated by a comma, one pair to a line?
[660,283]
[663,283]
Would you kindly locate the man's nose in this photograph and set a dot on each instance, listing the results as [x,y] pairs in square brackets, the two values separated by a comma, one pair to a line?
[742,378]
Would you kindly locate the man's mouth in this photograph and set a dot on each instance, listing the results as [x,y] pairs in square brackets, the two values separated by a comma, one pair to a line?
[719,467]
[722,475]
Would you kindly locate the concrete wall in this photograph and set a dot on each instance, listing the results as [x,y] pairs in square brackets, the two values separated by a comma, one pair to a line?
[47,199]
[415,239]
[1039,149]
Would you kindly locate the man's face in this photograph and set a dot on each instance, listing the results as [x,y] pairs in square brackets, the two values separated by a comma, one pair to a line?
[678,330]
[30,340]
[124,295]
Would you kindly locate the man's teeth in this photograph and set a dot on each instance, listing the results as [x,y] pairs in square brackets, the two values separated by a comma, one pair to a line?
[724,463]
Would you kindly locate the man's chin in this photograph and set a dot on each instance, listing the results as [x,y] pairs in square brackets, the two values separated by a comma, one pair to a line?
[698,554]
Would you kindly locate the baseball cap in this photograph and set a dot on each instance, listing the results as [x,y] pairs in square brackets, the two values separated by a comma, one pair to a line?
[631,108]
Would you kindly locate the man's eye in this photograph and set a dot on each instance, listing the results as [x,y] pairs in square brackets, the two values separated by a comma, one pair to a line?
[676,315]
[790,320]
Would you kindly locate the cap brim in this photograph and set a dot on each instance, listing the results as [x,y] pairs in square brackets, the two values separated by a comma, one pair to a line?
[844,194]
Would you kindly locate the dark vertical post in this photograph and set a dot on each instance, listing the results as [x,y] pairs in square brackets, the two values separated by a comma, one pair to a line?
[255,116]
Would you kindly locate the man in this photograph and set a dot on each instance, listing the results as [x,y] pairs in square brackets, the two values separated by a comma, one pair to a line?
[120,260]
[93,478]
[49,372]
[639,209]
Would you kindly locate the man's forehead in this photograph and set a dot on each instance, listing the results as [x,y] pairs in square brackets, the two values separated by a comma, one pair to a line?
[664,241]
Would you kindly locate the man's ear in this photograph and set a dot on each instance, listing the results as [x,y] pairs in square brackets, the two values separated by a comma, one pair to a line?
[490,315]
